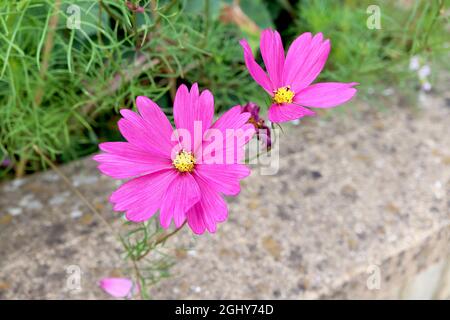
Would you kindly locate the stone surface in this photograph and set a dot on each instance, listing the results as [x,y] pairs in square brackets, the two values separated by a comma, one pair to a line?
[355,194]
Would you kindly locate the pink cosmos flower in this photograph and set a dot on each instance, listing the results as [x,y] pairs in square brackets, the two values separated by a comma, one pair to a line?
[289,78]
[119,287]
[181,173]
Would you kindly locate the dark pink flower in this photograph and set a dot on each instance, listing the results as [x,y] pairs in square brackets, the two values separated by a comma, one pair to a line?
[262,130]
[134,7]
[5,162]
[289,78]
[181,173]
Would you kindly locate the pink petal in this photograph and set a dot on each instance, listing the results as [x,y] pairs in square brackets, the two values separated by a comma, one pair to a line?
[296,57]
[273,55]
[231,119]
[232,122]
[211,209]
[326,94]
[205,110]
[287,112]
[224,178]
[254,69]
[313,69]
[124,160]
[231,149]
[195,220]
[179,197]
[155,118]
[117,287]
[301,71]
[143,135]
[190,107]
[140,198]
[242,137]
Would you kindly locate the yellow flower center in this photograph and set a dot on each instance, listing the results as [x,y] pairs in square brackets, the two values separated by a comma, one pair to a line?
[184,161]
[283,95]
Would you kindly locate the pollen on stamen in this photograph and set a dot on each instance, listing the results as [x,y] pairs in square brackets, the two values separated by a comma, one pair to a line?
[184,161]
[283,95]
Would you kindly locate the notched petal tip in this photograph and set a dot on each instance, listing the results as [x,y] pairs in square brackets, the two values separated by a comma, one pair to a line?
[194,92]
[182,89]
[207,97]
[319,36]
[305,34]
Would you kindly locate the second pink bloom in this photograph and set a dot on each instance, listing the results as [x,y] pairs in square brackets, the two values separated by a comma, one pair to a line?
[288,79]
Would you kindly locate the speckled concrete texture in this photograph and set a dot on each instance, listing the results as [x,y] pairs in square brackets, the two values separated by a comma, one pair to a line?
[353,191]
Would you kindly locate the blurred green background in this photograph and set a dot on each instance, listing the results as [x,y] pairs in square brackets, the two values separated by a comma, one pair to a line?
[67,67]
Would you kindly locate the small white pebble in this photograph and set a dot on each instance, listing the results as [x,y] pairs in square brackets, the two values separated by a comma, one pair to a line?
[75,214]
[359,228]
[196,289]
[438,191]
[25,200]
[82,179]
[15,211]
[14,185]
[379,163]
[59,198]
[392,238]
[192,253]
[51,177]
[29,202]
[18,183]
[34,205]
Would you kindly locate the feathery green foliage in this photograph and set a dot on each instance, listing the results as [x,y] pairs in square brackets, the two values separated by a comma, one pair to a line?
[376,58]
[61,88]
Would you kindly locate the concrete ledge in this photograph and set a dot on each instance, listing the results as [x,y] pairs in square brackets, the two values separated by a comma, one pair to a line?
[364,192]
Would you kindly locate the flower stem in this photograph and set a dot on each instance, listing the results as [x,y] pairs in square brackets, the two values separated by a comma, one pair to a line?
[168,235]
